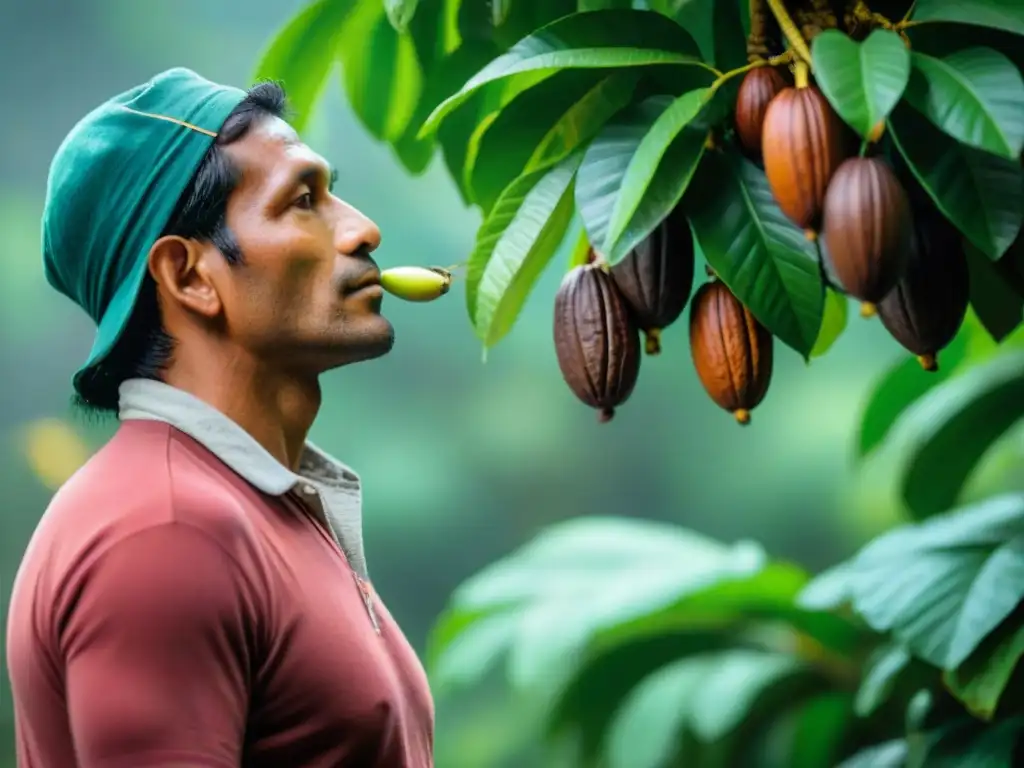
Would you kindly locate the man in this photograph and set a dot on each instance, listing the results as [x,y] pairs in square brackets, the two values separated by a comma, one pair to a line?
[197,594]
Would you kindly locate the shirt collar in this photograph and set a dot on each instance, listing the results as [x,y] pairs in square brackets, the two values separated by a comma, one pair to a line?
[156,401]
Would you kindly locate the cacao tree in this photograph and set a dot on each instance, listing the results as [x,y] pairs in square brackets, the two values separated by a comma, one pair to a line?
[806,153]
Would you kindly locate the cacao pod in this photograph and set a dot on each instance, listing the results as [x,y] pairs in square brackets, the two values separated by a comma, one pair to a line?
[756,92]
[867,229]
[925,309]
[802,146]
[597,342]
[732,352]
[656,277]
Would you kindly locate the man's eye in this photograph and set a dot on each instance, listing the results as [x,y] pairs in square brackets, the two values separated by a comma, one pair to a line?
[305,201]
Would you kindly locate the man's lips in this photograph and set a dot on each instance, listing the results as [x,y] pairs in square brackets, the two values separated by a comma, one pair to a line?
[370,281]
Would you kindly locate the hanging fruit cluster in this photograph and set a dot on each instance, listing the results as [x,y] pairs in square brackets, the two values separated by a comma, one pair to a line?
[882,242]
[601,312]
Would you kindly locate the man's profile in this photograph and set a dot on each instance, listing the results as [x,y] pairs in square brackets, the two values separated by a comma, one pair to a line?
[197,594]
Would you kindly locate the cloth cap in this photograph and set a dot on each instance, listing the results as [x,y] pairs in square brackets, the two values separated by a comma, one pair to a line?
[113,185]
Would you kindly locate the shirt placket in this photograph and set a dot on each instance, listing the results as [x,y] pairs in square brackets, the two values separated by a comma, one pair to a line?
[311,497]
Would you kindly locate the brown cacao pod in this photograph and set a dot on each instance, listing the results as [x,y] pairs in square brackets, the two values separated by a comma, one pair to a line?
[596,339]
[867,228]
[756,92]
[925,309]
[656,277]
[732,352]
[802,146]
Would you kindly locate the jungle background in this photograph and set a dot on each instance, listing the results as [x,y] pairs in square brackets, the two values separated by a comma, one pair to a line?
[463,461]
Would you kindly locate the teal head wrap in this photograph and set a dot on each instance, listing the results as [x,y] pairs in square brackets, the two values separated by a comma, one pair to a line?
[113,186]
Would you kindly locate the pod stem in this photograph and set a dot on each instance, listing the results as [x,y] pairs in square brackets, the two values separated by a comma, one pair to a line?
[929,362]
[788,27]
[800,72]
[652,341]
[605,415]
[867,309]
[742,416]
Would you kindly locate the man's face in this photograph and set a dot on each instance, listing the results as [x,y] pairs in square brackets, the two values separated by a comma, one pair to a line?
[307,295]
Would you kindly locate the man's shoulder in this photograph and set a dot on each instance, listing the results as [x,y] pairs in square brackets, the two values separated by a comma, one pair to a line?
[147,475]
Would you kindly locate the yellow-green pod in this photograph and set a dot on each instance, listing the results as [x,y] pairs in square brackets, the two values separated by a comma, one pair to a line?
[416,283]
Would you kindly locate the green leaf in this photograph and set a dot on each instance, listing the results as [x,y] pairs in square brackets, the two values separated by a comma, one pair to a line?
[729,37]
[998,14]
[515,244]
[476,642]
[975,95]
[382,75]
[968,744]
[400,13]
[880,678]
[593,40]
[890,754]
[764,259]
[640,204]
[863,81]
[942,436]
[996,304]
[606,160]
[709,696]
[980,193]
[302,55]
[943,585]
[983,678]
[546,122]
[899,387]
[833,322]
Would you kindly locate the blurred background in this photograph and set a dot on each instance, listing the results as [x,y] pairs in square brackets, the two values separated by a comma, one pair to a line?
[462,460]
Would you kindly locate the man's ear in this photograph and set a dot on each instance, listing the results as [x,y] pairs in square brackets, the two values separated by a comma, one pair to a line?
[181,267]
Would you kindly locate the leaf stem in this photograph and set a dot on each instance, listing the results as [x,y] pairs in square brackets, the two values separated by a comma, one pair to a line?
[788,27]
[800,74]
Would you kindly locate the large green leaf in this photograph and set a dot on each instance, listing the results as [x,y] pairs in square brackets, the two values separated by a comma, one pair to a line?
[515,244]
[941,437]
[997,305]
[707,696]
[766,261]
[302,55]
[941,586]
[998,14]
[983,678]
[606,160]
[980,193]
[966,743]
[890,754]
[718,27]
[542,125]
[382,75]
[901,386]
[863,81]
[591,584]
[975,95]
[592,40]
[400,13]
[656,177]
[833,322]
[880,678]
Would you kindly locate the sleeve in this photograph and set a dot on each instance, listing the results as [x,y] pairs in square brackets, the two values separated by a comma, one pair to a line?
[157,650]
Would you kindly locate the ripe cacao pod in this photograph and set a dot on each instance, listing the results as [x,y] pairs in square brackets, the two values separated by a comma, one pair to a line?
[656,277]
[756,92]
[867,229]
[802,146]
[925,309]
[597,342]
[732,351]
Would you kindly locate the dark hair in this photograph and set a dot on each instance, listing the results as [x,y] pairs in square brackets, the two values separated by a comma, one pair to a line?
[145,348]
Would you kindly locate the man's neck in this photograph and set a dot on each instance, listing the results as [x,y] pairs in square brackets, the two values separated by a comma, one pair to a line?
[277,410]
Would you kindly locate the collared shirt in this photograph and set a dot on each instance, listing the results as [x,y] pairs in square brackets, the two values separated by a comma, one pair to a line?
[186,600]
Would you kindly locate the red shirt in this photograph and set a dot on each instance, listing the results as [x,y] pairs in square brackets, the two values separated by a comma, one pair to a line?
[169,613]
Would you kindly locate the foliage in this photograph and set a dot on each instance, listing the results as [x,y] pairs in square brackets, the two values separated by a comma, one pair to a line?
[577,125]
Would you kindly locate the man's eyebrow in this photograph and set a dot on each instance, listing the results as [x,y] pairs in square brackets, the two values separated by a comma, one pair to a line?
[312,175]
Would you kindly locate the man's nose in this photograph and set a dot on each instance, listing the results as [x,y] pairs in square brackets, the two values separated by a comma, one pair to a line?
[355,233]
